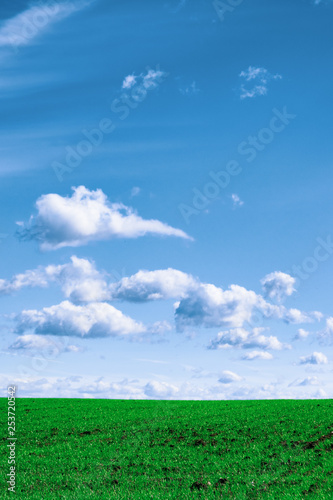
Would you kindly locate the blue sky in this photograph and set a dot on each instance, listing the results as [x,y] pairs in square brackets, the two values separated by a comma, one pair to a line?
[166,197]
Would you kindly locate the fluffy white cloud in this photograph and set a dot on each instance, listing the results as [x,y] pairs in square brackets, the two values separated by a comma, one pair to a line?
[32,278]
[92,387]
[316,358]
[228,377]
[198,304]
[96,319]
[241,338]
[259,77]
[296,316]
[23,28]
[329,325]
[251,356]
[278,285]
[42,343]
[211,306]
[153,285]
[203,304]
[79,279]
[301,334]
[88,216]
[325,336]
[158,390]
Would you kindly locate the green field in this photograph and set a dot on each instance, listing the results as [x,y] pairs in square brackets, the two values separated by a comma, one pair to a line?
[105,449]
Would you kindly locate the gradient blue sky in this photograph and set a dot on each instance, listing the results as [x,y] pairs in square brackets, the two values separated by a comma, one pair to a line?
[202,85]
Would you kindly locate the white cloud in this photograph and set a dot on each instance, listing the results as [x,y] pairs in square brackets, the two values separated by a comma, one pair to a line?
[100,387]
[23,28]
[135,191]
[97,319]
[278,285]
[326,335]
[88,216]
[301,334]
[129,81]
[296,316]
[190,89]
[329,325]
[236,200]
[251,356]
[211,306]
[202,304]
[152,78]
[260,77]
[316,358]
[149,81]
[228,377]
[79,280]
[241,338]
[306,382]
[198,304]
[153,285]
[158,390]
[32,278]
[42,343]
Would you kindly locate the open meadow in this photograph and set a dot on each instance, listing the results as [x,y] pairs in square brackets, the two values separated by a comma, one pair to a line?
[134,449]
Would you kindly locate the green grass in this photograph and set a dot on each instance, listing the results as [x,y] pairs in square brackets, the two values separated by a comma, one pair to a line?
[80,449]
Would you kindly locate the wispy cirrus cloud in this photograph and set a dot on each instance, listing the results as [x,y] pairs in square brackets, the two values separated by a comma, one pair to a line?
[148,80]
[255,82]
[24,27]
[189,90]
